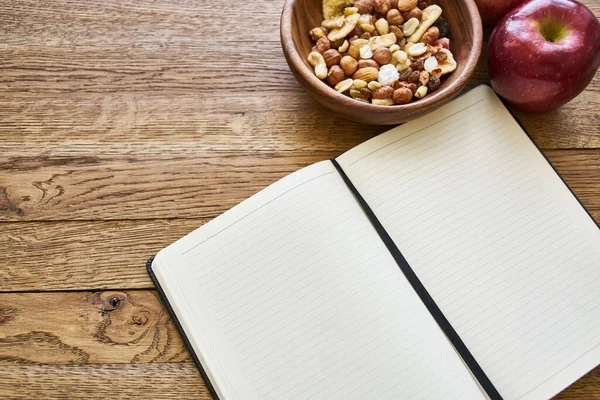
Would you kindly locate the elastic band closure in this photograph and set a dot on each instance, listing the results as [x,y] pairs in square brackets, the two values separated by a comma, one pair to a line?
[426,298]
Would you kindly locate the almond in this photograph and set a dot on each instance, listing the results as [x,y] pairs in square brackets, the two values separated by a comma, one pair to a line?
[367,74]
[407,5]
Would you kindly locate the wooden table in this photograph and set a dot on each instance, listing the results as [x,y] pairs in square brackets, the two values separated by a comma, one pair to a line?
[126,124]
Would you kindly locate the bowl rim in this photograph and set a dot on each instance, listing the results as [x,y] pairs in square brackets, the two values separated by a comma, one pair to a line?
[439,97]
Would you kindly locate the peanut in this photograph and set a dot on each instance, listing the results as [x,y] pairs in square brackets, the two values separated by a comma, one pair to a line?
[316,60]
[382,26]
[344,85]
[409,26]
[421,92]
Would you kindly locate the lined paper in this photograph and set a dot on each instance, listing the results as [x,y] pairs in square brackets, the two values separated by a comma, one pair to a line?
[498,240]
[292,295]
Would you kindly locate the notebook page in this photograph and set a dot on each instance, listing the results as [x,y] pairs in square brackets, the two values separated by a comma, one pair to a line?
[292,295]
[498,240]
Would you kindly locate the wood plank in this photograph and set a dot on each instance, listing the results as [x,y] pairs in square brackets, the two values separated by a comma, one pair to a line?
[80,332]
[93,255]
[156,381]
[84,124]
[123,381]
[190,186]
[87,327]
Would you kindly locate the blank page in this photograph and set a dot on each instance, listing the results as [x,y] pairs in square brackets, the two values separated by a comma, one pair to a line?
[292,295]
[501,244]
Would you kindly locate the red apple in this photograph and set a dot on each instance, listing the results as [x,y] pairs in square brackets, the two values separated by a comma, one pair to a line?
[544,53]
[492,10]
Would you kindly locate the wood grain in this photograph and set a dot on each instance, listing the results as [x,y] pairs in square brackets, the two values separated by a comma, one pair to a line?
[156,381]
[111,188]
[87,327]
[124,381]
[90,255]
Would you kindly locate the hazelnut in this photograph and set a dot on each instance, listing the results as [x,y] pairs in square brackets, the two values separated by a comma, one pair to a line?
[402,95]
[430,35]
[384,92]
[367,64]
[332,57]
[394,17]
[382,56]
[382,7]
[397,31]
[364,6]
[322,45]
[415,13]
[318,32]
[335,75]
[411,86]
[349,65]
[434,83]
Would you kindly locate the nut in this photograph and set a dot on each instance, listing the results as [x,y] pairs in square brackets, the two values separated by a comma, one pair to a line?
[418,49]
[382,41]
[335,75]
[402,95]
[316,60]
[364,6]
[367,63]
[396,84]
[406,5]
[434,83]
[322,45]
[415,13]
[333,23]
[382,6]
[337,43]
[358,94]
[344,47]
[366,36]
[399,57]
[365,19]
[421,92]
[332,57]
[374,85]
[367,28]
[409,27]
[350,10]
[430,35]
[394,48]
[424,78]
[430,15]
[367,74]
[366,93]
[354,49]
[382,26]
[401,67]
[382,56]
[344,85]
[383,92]
[387,75]
[383,102]
[397,31]
[359,84]
[431,63]
[349,24]
[365,51]
[394,17]
[317,33]
[348,65]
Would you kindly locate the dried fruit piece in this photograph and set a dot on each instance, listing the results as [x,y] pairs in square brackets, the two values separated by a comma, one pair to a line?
[434,83]
[333,8]
[333,23]
[424,78]
[350,10]
[382,41]
[349,24]
[442,42]
[442,25]
[430,15]
[430,35]
[449,64]
[383,102]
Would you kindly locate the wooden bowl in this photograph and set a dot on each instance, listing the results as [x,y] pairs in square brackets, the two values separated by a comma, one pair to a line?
[300,16]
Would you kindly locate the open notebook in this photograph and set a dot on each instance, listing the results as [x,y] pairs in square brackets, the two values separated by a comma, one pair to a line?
[444,259]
